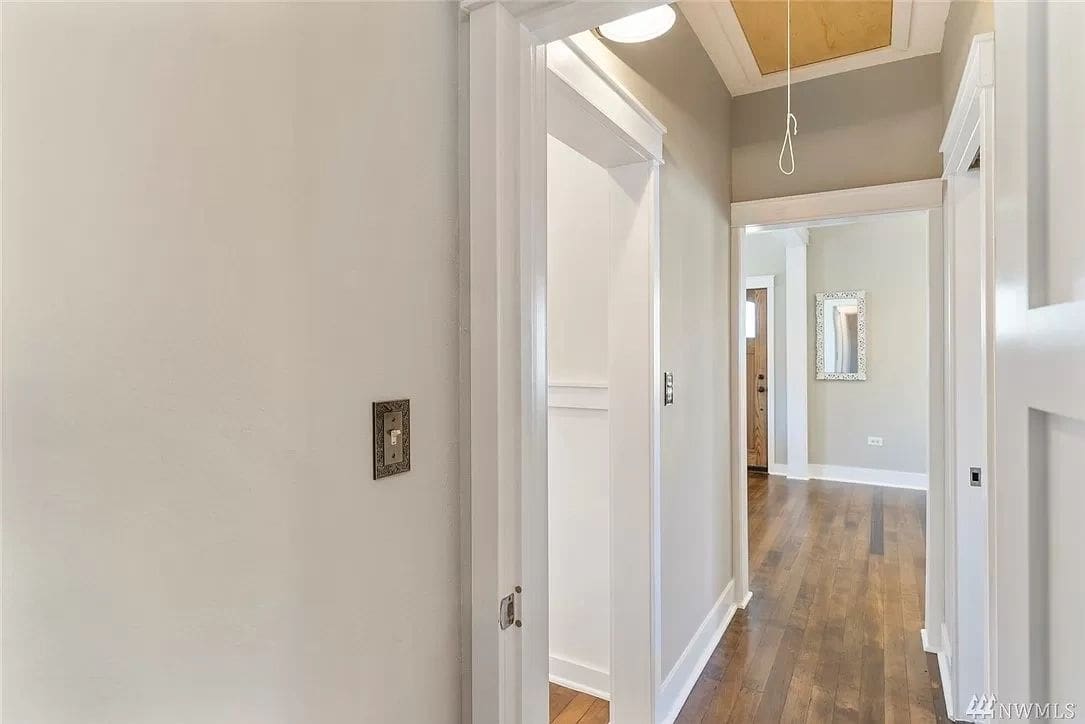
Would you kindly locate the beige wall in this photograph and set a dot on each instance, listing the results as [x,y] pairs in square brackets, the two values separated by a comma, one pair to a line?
[226,231]
[887,257]
[966,19]
[866,127]
[675,79]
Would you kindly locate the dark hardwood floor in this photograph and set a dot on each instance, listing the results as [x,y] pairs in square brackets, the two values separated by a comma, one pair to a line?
[572,707]
[832,632]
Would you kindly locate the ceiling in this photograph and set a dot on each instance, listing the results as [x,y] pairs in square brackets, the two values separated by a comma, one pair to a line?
[747,39]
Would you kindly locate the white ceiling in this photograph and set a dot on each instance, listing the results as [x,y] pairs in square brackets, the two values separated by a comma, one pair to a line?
[918,26]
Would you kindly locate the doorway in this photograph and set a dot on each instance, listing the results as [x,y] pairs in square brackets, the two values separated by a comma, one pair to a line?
[601,243]
[526,78]
[923,201]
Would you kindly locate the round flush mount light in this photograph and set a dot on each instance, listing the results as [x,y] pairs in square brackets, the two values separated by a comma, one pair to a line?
[638,27]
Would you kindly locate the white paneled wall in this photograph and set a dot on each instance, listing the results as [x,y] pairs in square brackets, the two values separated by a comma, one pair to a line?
[578,217]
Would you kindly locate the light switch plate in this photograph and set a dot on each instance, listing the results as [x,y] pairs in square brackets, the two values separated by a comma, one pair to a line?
[391,438]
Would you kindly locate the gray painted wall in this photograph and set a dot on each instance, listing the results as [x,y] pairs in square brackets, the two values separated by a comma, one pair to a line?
[887,258]
[675,79]
[234,227]
[763,254]
[966,20]
[866,127]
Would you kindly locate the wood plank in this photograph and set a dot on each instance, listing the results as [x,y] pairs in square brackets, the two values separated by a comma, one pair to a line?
[575,711]
[568,706]
[598,713]
[559,699]
[897,706]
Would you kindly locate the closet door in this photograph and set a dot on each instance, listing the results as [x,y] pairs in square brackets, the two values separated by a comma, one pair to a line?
[1039,328]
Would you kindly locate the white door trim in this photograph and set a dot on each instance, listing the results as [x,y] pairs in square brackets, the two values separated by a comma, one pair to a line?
[963,134]
[503,397]
[768,283]
[969,132]
[806,210]
[797,354]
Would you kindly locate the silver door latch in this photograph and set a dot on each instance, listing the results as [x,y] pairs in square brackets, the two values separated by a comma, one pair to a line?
[975,477]
[508,611]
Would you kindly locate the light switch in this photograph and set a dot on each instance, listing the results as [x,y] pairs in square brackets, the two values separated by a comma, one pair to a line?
[391,438]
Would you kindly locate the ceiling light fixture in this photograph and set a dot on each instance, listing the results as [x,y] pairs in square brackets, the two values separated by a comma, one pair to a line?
[638,27]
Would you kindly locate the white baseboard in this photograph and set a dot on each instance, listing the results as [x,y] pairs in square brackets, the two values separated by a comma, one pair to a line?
[681,679]
[746,600]
[784,470]
[926,642]
[847,474]
[945,672]
[579,677]
[866,476]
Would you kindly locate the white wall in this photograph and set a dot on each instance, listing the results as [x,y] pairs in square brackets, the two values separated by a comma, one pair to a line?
[764,254]
[578,267]
[233,228]
[887,257]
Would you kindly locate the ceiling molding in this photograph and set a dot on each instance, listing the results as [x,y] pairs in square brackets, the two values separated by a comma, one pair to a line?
[918,27]
[550,20]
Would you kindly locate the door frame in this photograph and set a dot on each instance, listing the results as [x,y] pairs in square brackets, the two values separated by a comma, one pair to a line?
[811,210]
[503,370]
[969,131]
[768,283]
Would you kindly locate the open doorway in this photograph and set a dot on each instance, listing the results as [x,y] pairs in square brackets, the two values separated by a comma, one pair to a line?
[856,330]
[602,273]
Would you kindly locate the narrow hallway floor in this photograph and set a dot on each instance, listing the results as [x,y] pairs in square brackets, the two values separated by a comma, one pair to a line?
[572,707]
[832,631]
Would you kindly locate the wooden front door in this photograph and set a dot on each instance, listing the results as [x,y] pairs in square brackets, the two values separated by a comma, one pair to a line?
[757,383]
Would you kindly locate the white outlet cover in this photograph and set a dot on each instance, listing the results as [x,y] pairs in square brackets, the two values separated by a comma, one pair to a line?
[876,441]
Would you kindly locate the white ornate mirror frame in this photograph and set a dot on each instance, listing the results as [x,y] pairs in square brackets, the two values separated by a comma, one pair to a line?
[819,327]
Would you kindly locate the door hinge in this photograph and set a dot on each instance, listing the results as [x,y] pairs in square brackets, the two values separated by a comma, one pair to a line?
[509,610]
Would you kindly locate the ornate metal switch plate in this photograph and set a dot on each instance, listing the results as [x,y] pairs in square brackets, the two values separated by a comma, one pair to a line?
[391,438]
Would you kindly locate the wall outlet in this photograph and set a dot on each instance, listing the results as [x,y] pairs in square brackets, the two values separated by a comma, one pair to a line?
[875,441]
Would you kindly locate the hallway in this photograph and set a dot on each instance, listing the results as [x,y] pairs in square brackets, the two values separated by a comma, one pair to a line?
[832,631]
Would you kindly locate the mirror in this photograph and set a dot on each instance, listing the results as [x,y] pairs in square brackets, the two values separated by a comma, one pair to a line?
[841,335]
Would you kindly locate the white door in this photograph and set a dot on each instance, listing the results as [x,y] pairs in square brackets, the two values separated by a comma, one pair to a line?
[1037,487]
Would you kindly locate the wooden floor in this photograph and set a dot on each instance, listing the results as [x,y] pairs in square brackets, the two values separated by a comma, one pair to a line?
[570,707]
[832,632]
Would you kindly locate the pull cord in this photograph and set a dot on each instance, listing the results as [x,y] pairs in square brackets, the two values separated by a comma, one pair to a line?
[791,124]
